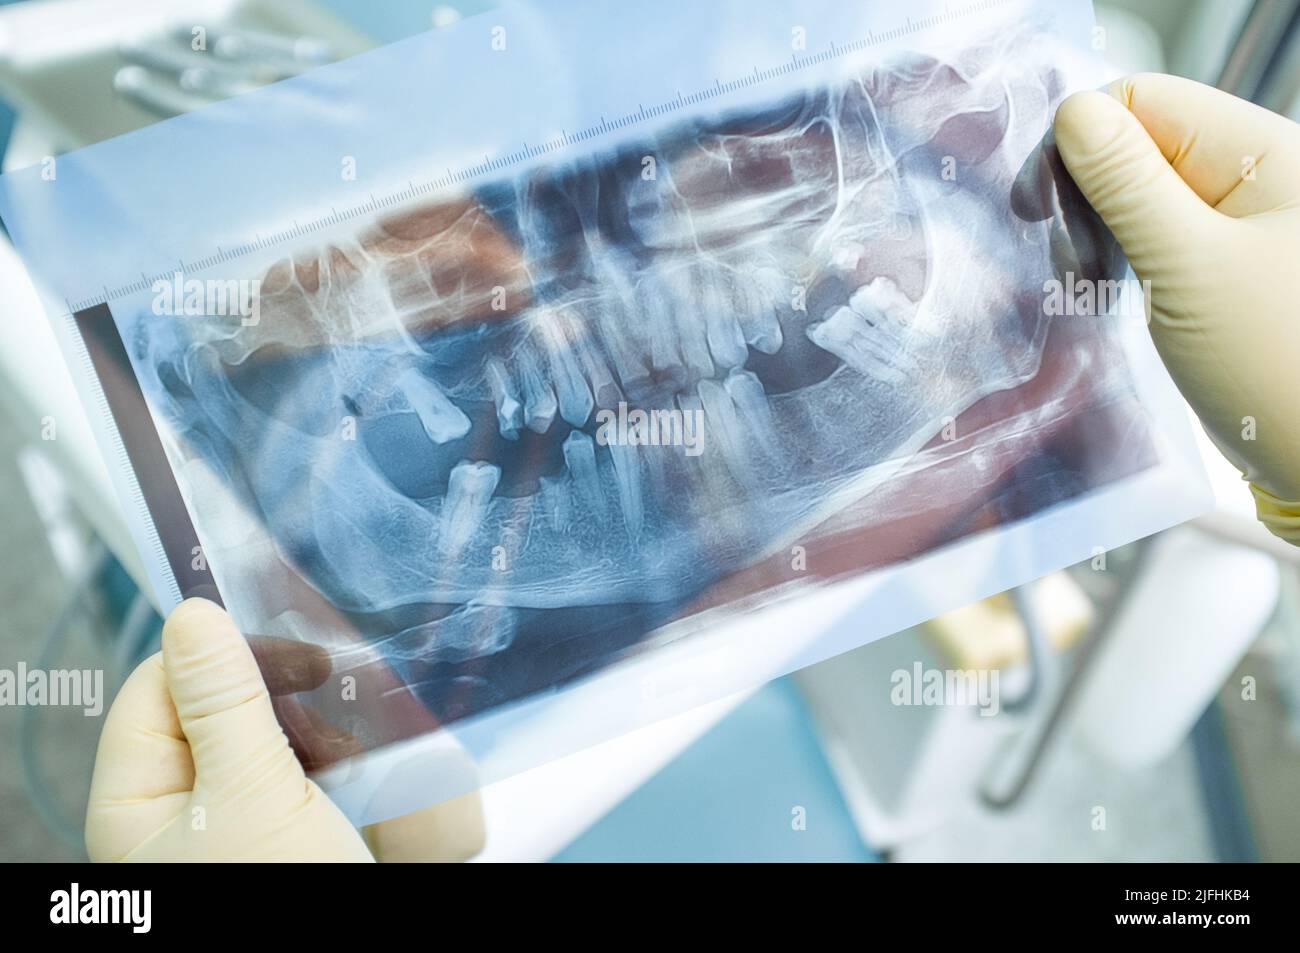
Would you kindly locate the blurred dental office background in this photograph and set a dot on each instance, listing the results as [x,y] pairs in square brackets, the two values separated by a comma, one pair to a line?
[1150,707]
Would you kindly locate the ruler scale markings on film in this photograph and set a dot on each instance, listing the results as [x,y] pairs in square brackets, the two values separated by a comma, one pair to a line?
[600,127]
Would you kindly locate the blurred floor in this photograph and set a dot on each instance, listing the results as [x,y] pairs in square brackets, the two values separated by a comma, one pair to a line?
[1151,815]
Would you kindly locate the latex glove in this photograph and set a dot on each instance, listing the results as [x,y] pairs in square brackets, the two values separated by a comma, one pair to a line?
[1203,192]
[192,764]
[444,833]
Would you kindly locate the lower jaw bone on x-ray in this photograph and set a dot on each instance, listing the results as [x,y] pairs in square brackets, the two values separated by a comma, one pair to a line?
[826,281]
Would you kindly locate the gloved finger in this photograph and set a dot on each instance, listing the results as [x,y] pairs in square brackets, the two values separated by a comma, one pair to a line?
[1239,158]
[143,769]
[222,703]
[1080,242]
[1128,180]
[449,832]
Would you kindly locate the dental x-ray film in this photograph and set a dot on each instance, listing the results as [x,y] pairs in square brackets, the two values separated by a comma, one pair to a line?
[532,379]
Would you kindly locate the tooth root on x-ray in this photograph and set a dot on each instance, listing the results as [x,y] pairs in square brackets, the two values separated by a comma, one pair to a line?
[746,392]
[692,408]
[627,471]
[510,412]
[620,330]
[655,469]
[580,458]
[726,340]
[693,467]
[604,390]
[539,399]
[554,499]
[757,314]
[633,374]
[469,493]
[851,338]
[443,421]
[654,306]
[574,396]
[726,428]
[692,331]
[691,405]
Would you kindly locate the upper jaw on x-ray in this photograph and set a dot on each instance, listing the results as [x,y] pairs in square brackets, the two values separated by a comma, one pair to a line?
[829,279]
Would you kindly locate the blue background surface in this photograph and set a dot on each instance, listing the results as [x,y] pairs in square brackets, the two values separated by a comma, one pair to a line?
[729,797]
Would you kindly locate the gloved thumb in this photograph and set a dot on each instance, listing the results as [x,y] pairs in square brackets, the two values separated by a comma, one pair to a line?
[1124,176]
[222,702]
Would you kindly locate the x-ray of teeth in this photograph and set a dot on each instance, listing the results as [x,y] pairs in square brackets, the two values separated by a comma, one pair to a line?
[486,441]
[819,284]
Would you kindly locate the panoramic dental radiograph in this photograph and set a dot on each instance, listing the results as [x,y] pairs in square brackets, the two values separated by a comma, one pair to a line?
[495,442]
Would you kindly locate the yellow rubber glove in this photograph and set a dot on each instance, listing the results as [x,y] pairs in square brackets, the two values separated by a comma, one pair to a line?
[193,765]
[1203,192]
[449,832]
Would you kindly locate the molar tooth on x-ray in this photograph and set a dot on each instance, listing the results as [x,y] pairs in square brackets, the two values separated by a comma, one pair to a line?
[803,280]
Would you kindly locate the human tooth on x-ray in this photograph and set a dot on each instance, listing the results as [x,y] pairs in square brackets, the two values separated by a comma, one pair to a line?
[809,278]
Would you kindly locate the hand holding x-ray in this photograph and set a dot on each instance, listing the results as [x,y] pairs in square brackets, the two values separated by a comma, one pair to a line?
[1198,185]
[521,436]
[193,765]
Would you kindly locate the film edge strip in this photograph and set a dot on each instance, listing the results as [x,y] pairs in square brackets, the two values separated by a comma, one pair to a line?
[138,445]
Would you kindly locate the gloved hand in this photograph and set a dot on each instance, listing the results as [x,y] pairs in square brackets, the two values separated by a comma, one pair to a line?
[193,765]
[1203,192]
